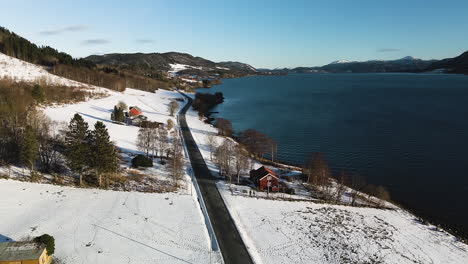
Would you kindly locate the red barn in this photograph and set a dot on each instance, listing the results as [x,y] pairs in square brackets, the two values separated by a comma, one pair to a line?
[134,111]
[265,179]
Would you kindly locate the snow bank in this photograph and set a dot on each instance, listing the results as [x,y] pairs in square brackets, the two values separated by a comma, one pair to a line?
[97,226]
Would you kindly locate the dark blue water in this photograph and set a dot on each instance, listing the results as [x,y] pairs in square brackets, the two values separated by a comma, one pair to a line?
[407,132]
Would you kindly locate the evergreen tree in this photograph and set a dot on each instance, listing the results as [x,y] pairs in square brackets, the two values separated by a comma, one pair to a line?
[76,140]
[38,93]
[104,156]
[29,147]
[118,114]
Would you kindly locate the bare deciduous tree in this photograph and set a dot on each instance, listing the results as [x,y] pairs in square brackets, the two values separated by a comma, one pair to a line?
[163,141]
[241,160]
[340,186]
[256,142]
[170,124]
[357,184]
[145,140]
[172,107]
[176,163]
[316,169]
[223,157]
[212,142]
[224,126]
[122,105]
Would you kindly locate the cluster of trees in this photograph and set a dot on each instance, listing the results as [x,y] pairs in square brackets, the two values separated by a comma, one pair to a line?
[232,159]
[319,175]
[118,114]
[27,137]
[12,92]
[204,102]
[208,83]
[90,151]
[91,76]
[224,127]
[155,141]
[258,143]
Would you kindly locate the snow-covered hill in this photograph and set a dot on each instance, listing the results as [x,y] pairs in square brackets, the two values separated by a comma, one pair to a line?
[19,70]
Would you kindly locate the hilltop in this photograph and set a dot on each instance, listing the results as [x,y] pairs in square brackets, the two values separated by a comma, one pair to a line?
[173,62]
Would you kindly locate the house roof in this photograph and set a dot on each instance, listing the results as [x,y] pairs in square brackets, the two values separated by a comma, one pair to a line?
[262,172]
[134,111]
[11,251]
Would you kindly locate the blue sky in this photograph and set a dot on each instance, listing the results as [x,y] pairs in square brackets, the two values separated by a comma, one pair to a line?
[262,33]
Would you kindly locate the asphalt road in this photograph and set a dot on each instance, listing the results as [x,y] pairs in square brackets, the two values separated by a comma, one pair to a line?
[230,243]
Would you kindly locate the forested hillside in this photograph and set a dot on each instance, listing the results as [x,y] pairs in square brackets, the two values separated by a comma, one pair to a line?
[81,70]
[154,64]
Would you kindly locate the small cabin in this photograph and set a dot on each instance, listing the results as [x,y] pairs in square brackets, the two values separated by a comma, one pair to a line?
[134,111]
[265,179]
[23,253]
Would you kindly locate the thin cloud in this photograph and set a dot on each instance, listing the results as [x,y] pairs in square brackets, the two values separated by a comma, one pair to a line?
[144,41]
[76,28]
[388,50]
[72,28]
[95,42]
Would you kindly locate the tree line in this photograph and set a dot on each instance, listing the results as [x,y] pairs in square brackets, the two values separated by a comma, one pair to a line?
[321,178]
[81,70]
[154,140]
[205,102]
[231,160]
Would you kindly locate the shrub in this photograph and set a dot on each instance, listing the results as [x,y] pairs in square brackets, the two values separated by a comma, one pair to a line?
[170,124]
[38,93]
[48,241]
[142,161]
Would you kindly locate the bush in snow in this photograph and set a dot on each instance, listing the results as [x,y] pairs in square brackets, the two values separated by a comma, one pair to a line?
[48,241]
[142,161]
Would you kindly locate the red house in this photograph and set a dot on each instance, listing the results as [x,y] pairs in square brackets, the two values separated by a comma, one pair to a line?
[134,111]
[265,179]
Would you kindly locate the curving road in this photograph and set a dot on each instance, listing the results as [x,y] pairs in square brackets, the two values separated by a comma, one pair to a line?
[231,245]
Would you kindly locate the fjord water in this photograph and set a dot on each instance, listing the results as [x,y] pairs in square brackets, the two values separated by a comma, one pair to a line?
[407,132]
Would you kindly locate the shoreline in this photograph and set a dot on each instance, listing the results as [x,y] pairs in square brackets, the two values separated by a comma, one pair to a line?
[451,228]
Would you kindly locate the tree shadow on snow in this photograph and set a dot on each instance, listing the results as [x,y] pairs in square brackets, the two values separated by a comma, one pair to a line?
[95,117]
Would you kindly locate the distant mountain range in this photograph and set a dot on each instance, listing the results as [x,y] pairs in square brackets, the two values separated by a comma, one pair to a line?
[165,62]
[406,64]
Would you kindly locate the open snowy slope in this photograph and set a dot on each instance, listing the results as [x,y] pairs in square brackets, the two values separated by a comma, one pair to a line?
[97,226]
[19,70]
[153,105]
[306,232]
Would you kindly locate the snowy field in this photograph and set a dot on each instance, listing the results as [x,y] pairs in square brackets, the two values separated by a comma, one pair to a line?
[97,226]
[307,232]
[278,231]
[153,105]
